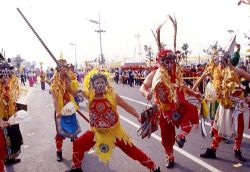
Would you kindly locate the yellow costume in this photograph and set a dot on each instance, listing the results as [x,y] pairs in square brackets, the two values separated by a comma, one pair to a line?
[8,97]
[105,136]
[58,87]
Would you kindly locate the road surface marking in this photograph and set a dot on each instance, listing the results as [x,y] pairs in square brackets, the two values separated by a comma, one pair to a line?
[188,155]
[91,151]
[237,165]
[27,95]
[142,103]
[25,146]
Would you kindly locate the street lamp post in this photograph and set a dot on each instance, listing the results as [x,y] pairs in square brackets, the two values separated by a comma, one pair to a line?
[74,44]
[101,59]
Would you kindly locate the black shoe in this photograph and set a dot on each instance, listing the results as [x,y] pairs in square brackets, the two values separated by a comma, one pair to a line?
[210,153]
[180,141]
[157,170]
[59,156]
[11,161]
[170,163]
[74,170]
[212,134]
[225,140]
[237,155]
[73,139]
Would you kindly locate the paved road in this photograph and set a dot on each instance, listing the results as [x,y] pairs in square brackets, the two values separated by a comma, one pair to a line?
[38,151]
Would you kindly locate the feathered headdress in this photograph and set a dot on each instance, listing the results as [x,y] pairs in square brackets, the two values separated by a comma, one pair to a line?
[91,76]
[161,51]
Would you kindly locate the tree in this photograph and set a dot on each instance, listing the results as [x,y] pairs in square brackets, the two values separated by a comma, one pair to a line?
[17,61]
[149,54]
[185,52]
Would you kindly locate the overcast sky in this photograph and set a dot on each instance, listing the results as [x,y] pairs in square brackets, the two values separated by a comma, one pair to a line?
[61,22]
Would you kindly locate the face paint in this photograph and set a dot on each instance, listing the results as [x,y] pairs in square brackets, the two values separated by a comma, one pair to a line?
[99,84]
[167,63]
[63,72]
[221,61]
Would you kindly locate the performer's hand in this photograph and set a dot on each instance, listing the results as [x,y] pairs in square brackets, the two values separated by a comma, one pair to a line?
[58,115]
[139,118]
[4,124]
[198,95]
[196,126]
[149,95]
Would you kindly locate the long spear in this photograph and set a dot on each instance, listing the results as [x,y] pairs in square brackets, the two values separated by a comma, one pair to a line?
[50,53]
[39,38]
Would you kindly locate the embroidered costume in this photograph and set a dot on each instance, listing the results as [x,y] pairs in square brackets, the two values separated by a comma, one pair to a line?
[105,130]
[228,120]
[167,86]
[63,87]
[10,136]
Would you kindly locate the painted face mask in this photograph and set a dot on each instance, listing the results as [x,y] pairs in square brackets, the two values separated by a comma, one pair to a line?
[168,63]
[99,83]
[166,58]
[222,59]
[63,71]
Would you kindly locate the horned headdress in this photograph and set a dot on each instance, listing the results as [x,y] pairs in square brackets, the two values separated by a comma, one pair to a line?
[162,52]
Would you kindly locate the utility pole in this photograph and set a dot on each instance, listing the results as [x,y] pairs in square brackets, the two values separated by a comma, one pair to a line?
[101,60]
[74,44]
[137,36]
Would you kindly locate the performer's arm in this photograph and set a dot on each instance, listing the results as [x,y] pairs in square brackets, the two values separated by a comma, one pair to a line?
[73,88]
[192,92]
[127,107]
[198,82]
[242,74]
[146,85]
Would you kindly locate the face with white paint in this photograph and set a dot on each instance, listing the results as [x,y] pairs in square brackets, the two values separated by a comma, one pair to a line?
[99,85]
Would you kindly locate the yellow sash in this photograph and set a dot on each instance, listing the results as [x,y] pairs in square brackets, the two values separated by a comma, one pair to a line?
[105,139]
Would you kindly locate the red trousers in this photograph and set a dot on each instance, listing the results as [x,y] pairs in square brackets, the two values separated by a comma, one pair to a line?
[85,143]
[189,118]
[3,151]
[237,141]
[59,142]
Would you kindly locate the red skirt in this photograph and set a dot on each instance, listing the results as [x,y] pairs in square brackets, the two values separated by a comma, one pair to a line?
[185,112]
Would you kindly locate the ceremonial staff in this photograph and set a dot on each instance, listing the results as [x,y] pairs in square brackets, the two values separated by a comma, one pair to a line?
[39,38]
[50,53]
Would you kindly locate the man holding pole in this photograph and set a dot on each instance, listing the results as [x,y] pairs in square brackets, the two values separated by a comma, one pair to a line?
[64,87]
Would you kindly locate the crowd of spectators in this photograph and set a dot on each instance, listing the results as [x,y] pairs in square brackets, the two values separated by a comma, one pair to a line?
[135,77]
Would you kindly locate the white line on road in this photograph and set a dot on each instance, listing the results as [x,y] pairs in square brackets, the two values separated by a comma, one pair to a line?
[188,155]
[27,95]
[91,151]
[142,103]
